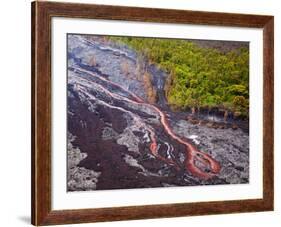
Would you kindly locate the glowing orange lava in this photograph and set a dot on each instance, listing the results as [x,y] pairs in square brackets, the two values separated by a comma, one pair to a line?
[193,155]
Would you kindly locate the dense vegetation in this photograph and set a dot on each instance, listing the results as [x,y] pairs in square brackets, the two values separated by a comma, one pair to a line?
[198,77]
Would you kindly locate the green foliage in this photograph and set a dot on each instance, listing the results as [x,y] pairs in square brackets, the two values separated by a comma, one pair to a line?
[238,89]
[199,77]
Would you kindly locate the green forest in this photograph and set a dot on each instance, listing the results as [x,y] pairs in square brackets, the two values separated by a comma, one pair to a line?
[198,77]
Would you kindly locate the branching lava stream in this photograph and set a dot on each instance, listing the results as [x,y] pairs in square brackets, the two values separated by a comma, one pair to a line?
[208,167]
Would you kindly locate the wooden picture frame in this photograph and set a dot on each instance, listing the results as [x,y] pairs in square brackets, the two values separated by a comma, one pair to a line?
[42,13]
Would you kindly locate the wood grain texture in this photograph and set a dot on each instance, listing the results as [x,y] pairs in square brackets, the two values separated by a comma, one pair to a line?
[42,12]
[268,113]
[41,112]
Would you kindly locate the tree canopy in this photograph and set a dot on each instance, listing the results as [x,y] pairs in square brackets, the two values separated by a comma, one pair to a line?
[198,77]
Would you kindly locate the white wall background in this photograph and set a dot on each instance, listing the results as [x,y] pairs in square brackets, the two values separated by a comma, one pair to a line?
[15,112]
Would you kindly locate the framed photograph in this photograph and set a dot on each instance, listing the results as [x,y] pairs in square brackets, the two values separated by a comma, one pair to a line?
[144,113]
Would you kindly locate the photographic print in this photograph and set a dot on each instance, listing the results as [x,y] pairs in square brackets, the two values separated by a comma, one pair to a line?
[156,112]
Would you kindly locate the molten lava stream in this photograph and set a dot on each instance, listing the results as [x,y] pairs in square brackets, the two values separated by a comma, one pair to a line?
[153,146]
[193,155]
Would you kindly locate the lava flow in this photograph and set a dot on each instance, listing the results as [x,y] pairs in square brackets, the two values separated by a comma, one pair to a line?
[196,162]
